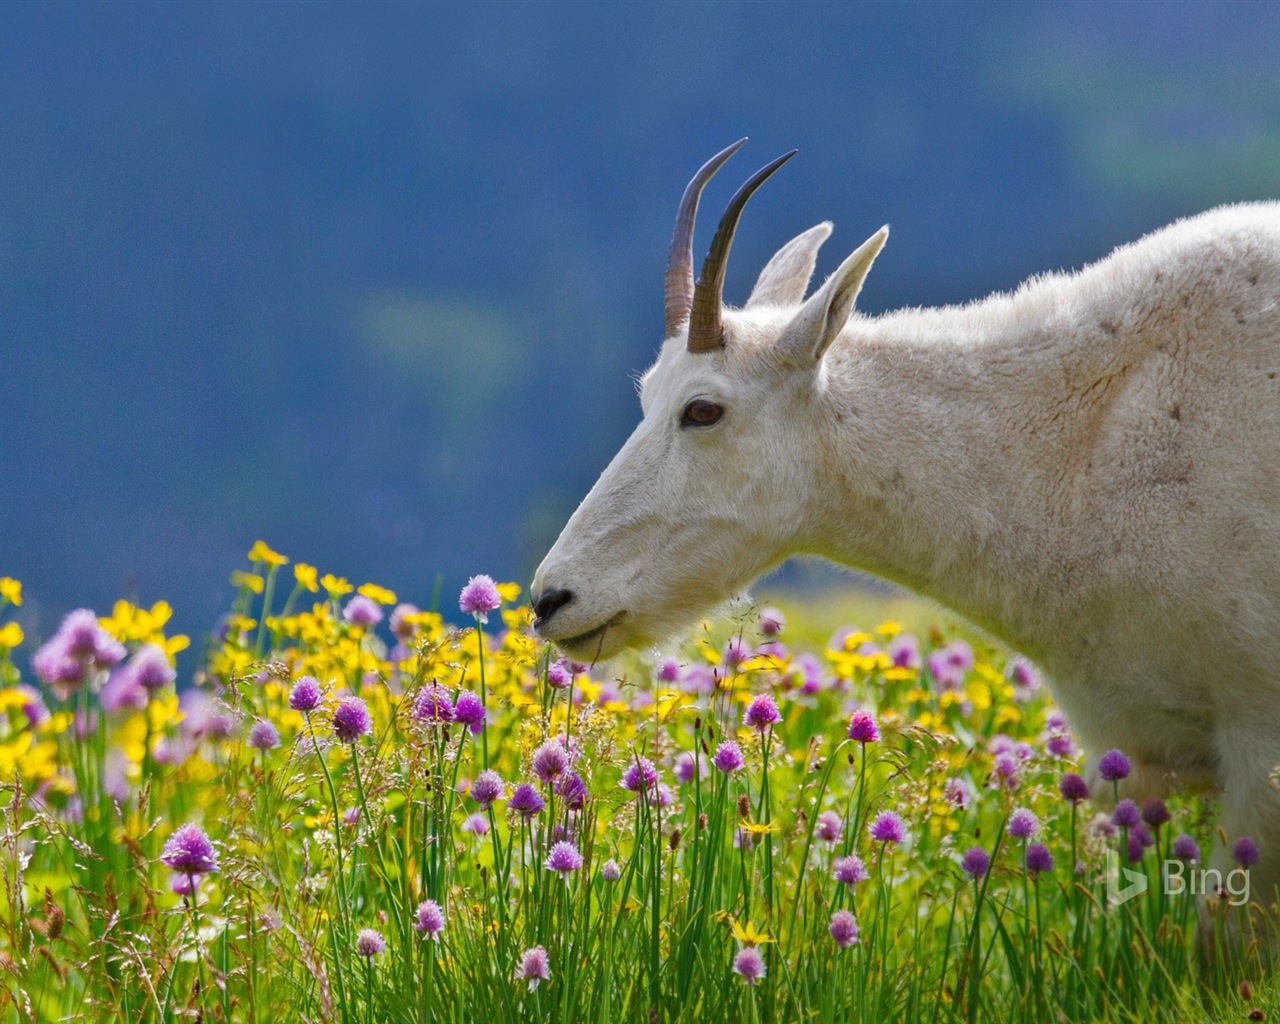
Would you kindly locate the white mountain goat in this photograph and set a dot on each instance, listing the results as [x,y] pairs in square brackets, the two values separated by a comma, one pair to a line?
[1088,468]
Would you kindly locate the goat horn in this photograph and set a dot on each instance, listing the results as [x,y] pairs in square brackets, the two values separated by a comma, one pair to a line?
[706,330]
[679,277]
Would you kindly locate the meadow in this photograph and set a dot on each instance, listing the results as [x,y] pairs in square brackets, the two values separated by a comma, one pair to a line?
[347,809]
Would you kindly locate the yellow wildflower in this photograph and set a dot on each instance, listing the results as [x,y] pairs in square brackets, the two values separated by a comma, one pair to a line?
[376,593]
[335,585]
[10,590]
[246,580]
[889,628]
[261,553]
[509,592]
[306,576]
[748,935]
[10,635]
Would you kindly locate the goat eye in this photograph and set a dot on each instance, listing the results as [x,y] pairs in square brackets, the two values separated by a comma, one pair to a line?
[700,413]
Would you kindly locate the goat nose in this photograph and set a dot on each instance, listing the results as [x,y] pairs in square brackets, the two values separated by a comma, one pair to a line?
[550,602]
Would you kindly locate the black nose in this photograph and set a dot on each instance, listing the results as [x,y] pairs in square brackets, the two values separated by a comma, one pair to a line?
[551,602]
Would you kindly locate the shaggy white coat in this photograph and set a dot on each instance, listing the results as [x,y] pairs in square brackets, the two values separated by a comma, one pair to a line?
[1088,468]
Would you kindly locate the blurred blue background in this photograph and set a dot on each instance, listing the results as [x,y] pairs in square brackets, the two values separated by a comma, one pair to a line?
[369,281]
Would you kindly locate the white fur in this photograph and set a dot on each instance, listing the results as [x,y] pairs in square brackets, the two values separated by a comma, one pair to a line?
[1088,468]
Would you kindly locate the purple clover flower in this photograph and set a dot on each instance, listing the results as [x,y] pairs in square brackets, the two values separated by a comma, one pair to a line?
[844,928]
[686,767]
[889,828]
[610,871]
[772,622]
[749,964]
[550,761]
[479,597]
[476,824]
[488,787]
[830,827]
[975,862]
[369,943]
[564,859]
[402,621]
[150,668]
[1073,788]
[1039,859]
[361,611]
[1126,814]
[188,851]
[1023,824]
[863,727]
[433,705]
[639,775]
[1245,852]
[79,646]
[1186,849]
[469,710]
[728,757]
[263,735]
[1114,766]
[572,790]
[848,870]
[1155,813]
[558,677]
[430,919]
[351,719]
[534,967]
[306,694]
[1060,744]
[762,713]
[526,801]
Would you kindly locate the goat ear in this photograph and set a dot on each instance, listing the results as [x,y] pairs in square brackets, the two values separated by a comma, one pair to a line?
[786,277]
[826,312]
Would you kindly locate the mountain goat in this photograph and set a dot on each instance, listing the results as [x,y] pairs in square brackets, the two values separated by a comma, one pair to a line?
[1088,468]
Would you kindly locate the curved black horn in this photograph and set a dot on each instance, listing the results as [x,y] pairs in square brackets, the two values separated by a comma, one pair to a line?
[706,329]
[679,277]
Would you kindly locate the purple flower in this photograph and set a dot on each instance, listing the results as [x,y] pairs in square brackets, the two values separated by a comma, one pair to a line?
[263,735]
[564,859]
[1023,824]
[526,801]
[728,757]
[477,824]
[762,713]
[430,920]
[848,870]
[1024,676]
[79,645]
[488,787]
[189,852]
[1126,814]
[1008,773]
[736,652]
[468,710]
[369,943]
[182,885]
[1185,848]
[904,651]
[550,761]
[558,677]
[888,828]
[1114,766]
[572,790]
[686,767]
[750,964]
[610,871]
[1155,813]
[1245,852]
[669,671]
[844,928]
[306,694]
[534,967]
[351,719]
[772,622]
[639,775]
[433,705]
[957,792]
[402,621]
[1073,788]
[863,727]
[361,611]
[1039,858]
[479,597]
[150,668]
[1060,744]
[830,827]
[975,862]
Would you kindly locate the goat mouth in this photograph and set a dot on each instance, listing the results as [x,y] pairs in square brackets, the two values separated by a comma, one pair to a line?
[595,633]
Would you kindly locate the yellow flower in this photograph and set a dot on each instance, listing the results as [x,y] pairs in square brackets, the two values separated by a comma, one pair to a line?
[889,628]
[509,592]
[306,576]
[242,580]
[335,585]
[376,593]
[10,635]
[10,590]
[748,935]
[261,553]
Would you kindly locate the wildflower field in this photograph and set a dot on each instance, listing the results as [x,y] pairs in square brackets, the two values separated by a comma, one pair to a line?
[345,809]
